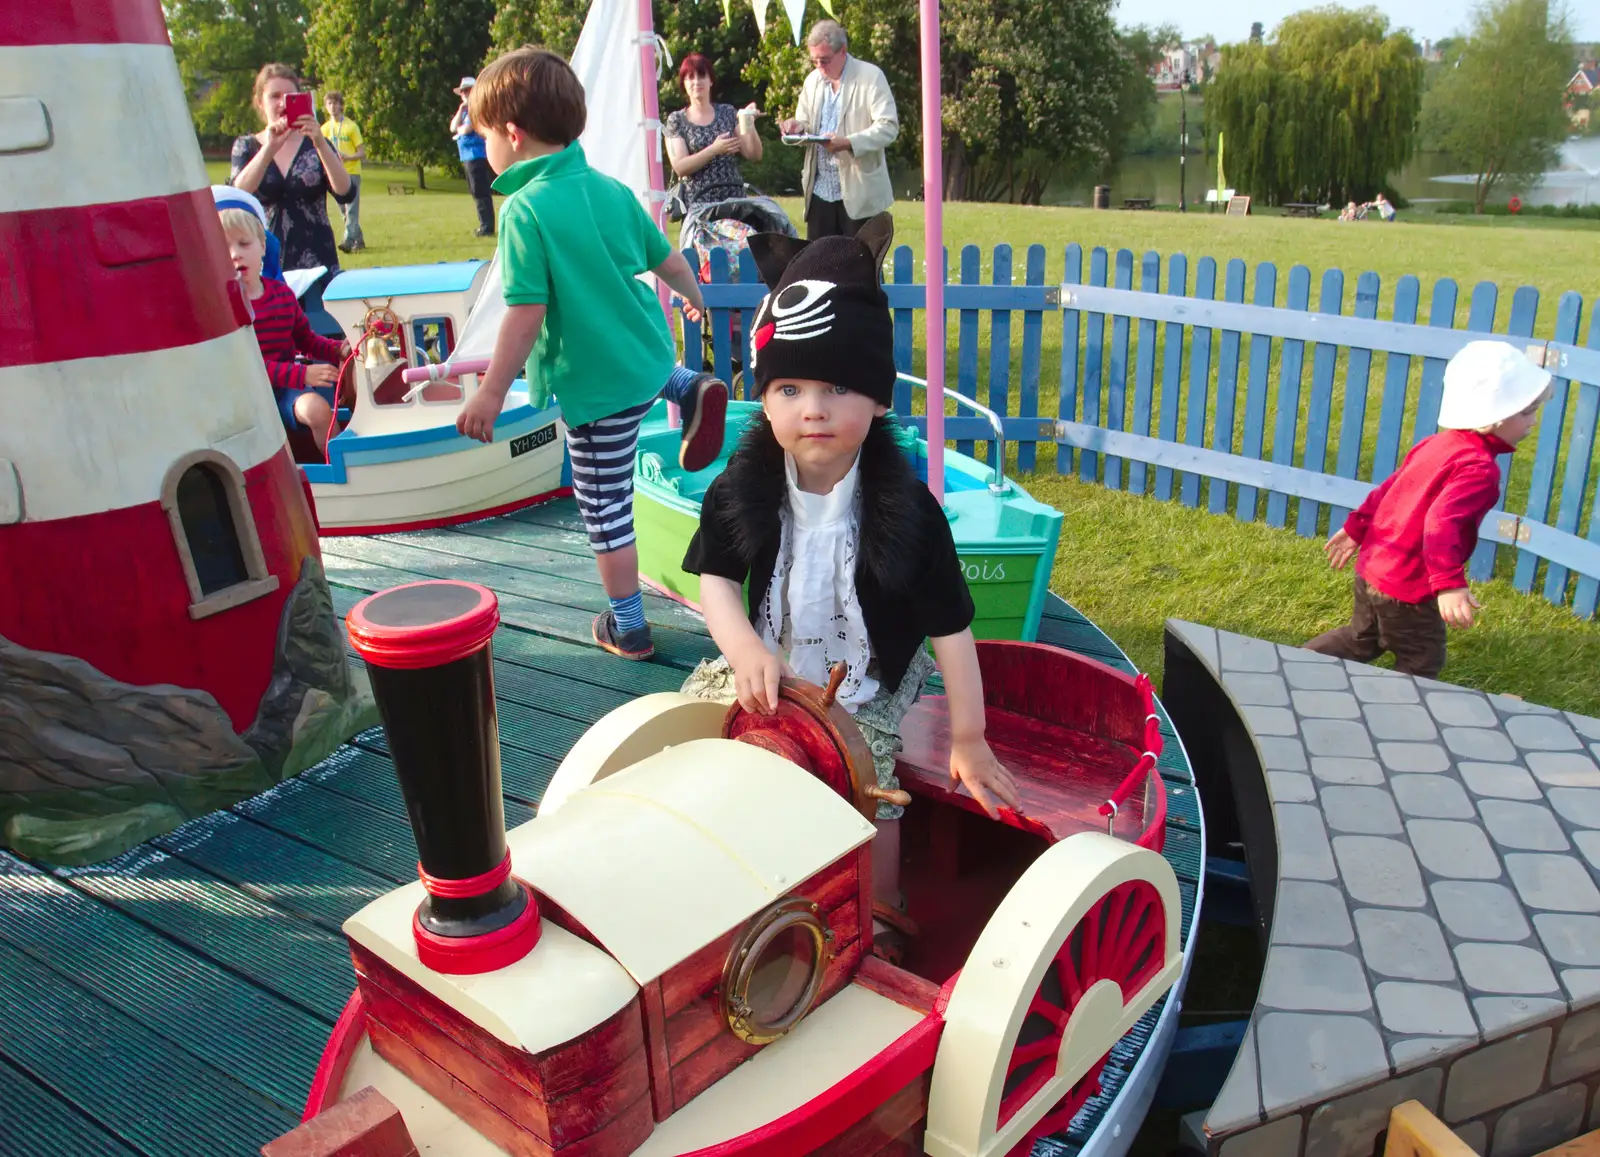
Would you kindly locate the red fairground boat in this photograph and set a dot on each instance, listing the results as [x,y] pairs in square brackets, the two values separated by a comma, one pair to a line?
[676,957]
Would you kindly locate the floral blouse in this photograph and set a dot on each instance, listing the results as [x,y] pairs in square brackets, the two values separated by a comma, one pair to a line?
[720,180]
[296,204]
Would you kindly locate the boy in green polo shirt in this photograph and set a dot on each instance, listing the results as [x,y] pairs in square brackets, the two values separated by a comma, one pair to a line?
[572,245]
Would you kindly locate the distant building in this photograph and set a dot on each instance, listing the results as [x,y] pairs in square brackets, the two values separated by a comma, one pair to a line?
[1198,60]
[1585,80]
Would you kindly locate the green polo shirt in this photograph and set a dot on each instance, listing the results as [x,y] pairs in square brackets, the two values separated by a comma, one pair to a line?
[575,241]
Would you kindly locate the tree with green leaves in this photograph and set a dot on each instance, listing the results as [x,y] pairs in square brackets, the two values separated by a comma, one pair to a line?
[1325,111]
[1497,103]
[1142,49]
[220,45]
[397,62]
[1032,88]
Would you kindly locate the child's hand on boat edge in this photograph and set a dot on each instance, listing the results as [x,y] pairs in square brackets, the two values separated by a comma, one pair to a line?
[973,764]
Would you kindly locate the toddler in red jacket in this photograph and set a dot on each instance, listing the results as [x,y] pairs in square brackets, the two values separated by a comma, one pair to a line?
[1416,531]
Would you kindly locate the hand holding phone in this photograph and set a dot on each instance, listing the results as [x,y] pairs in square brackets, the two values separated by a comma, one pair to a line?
[296,106]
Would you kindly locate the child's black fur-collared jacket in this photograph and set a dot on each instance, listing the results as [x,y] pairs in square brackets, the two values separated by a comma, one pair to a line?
[908,579]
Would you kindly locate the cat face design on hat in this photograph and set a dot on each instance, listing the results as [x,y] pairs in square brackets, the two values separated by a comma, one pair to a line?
[825,317]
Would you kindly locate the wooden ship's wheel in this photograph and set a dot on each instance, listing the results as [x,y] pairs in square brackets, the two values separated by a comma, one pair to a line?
[1078,951]
[813,731]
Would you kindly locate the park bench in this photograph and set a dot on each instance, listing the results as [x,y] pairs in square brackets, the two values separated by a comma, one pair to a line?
[1138,202]
[1302,209]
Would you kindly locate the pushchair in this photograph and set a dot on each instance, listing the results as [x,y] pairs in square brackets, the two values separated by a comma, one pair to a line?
[728,225]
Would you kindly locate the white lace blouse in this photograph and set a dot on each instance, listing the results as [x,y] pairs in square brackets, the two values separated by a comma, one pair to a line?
[811,614]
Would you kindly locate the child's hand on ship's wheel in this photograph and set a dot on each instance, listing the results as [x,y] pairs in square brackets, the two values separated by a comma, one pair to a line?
[755,680]
[973,764]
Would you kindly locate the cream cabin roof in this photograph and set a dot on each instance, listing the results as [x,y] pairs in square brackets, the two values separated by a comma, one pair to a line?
[660,859]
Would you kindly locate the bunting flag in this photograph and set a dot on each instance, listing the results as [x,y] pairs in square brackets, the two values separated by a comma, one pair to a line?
[760,8]
[727,13]
[797,15]
[827,6]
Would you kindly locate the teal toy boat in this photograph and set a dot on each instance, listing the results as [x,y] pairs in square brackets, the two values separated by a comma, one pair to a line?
[1005,538]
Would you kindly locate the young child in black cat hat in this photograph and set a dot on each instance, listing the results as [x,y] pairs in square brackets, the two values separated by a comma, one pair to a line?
[848,555]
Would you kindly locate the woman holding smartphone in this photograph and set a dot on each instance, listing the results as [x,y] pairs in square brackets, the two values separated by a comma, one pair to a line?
[291,168]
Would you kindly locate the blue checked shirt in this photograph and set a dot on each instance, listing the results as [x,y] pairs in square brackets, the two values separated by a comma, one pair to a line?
[825,183]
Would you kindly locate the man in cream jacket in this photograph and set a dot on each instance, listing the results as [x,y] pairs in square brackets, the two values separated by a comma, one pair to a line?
[846,177]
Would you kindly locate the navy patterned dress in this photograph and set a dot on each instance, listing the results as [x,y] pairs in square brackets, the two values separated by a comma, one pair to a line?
[296,204]
[720,180]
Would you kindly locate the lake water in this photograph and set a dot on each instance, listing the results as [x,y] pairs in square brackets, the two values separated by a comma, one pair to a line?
[1429,177]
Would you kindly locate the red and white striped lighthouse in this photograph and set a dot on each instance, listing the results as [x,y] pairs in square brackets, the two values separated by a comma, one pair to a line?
[152,521]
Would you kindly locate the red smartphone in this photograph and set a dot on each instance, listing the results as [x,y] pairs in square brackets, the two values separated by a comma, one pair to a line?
[295,106]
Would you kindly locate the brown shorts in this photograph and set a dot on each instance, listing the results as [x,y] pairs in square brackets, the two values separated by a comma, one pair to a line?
[1415,632]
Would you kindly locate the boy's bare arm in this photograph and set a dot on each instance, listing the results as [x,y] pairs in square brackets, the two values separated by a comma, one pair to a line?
[676,273]
[519,329]
[971,760]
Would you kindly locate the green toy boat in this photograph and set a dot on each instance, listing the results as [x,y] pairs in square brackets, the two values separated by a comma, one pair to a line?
[1005,539]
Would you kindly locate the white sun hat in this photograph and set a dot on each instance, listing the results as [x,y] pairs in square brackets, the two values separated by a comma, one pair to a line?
[466,82]
[1488,382]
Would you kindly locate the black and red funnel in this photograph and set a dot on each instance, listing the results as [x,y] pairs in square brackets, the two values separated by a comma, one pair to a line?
[427,648]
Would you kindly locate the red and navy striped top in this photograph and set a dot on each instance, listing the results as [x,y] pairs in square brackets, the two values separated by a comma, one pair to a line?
[282,331]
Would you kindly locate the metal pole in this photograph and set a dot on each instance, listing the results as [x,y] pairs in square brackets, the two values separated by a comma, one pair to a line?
[933,240]
[1183,141]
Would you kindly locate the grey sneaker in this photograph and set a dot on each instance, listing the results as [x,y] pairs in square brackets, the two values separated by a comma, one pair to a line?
[627,645]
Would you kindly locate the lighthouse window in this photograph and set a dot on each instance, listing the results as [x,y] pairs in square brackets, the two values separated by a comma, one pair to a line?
[208,525]
[214,532]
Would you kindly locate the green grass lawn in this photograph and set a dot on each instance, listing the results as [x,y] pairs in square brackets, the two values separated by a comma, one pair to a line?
[1130,562]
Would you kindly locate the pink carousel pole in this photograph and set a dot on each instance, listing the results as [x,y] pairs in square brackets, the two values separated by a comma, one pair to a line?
[652,155]
[933,240]
[652,117]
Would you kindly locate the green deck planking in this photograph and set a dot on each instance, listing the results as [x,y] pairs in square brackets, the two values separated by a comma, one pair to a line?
[274,949]
[229,925]
[155,982]
[132,1081]
[277,870]
[363,834]
[40,1124]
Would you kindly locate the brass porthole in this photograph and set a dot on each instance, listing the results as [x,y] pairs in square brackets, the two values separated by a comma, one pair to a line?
[774,973]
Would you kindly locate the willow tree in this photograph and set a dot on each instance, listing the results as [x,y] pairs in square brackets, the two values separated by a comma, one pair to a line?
[1325,111]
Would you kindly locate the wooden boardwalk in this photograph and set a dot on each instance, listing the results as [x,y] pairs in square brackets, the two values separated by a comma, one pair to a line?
[174,1001]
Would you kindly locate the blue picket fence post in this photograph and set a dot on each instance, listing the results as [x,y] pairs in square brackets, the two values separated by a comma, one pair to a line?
[1575,485]
[999,344]
[1171,368]
[1093,357]
[1144,372]
[1186,417]
[1227,387]
[1255,403]
[1291,364]
[1199,396]
[1067,396]
[1353,419]
[1396,384]
[967,341]
[1319,408]
[1032,351]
